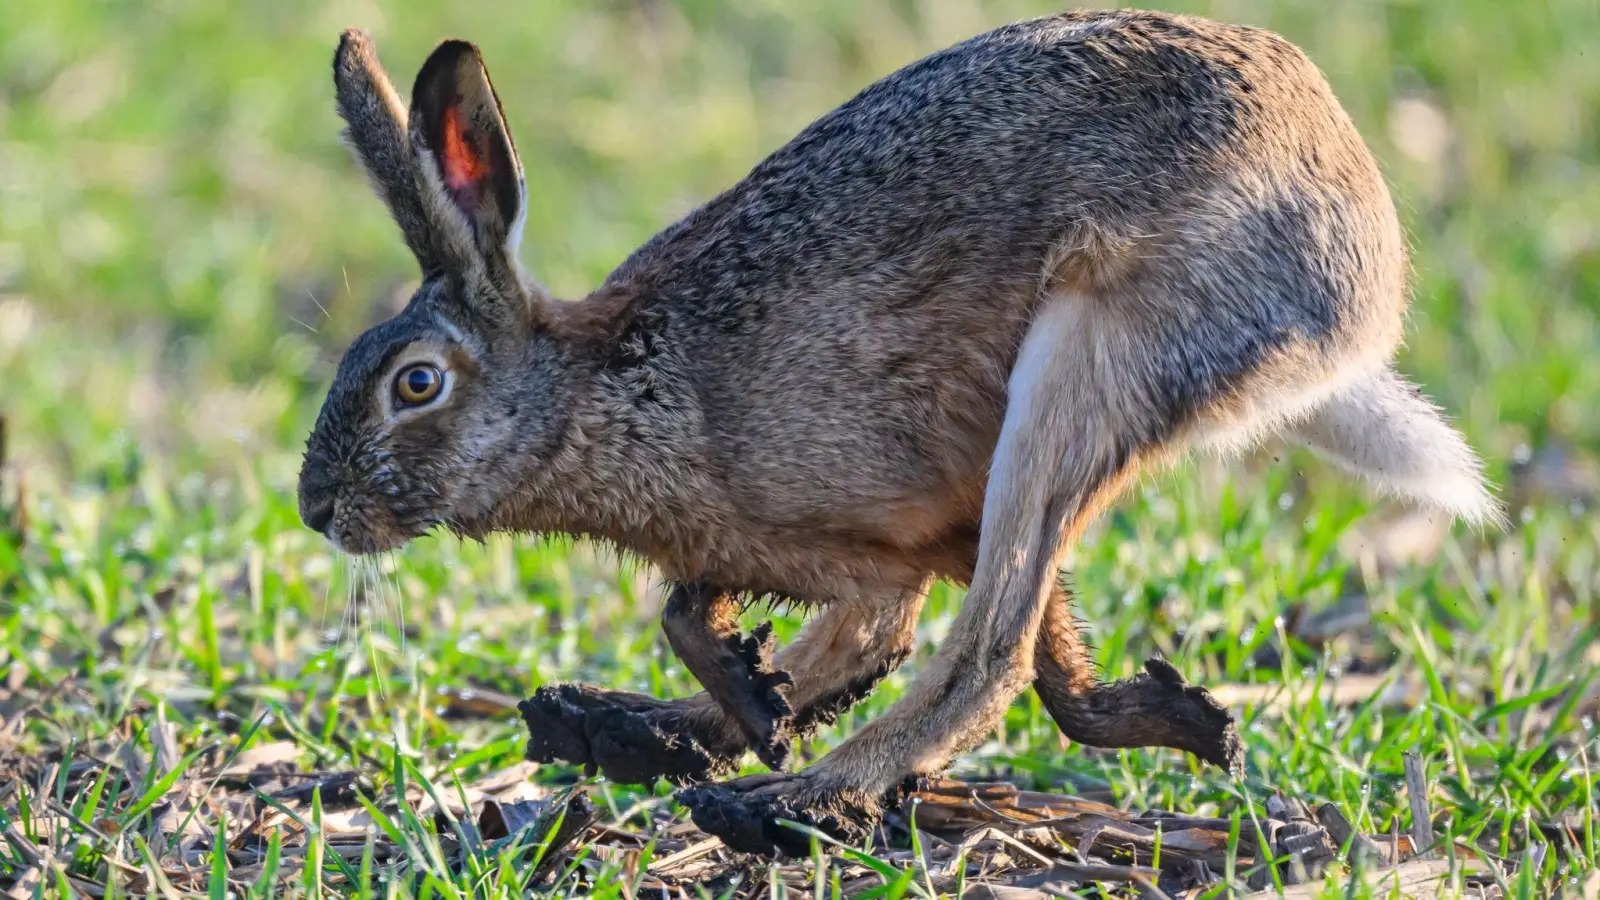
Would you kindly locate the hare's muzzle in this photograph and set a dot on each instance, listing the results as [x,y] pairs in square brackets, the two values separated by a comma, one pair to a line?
[318,490]
[317,515]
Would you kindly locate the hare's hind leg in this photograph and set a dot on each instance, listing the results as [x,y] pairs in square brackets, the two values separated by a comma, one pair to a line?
[840,657]
[1097,391]
[1371,422]
[1155,709]
[633,738]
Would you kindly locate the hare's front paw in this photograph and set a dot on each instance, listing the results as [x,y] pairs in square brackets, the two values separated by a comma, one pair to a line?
[749,813]
[762,703]
[631,738]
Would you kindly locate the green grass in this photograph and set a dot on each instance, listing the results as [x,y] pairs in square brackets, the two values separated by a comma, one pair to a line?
[185,248]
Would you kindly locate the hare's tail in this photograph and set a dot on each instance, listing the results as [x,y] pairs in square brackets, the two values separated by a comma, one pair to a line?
[1382,428]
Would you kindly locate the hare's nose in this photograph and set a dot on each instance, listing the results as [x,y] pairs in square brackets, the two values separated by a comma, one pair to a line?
[318,517]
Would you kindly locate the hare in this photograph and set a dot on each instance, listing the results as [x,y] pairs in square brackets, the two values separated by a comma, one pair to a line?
[933,336]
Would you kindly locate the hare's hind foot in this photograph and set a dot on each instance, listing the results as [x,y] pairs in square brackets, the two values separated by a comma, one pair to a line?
[631,738]
[737,670]
[749,813]
[1156,708]
[1213,735]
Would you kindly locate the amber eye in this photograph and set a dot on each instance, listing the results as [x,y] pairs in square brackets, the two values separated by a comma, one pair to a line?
[418,384]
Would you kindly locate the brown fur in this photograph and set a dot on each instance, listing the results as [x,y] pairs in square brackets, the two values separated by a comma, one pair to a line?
[932,336]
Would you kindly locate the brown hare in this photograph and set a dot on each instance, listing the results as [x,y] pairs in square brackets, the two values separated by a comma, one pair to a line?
[933,336]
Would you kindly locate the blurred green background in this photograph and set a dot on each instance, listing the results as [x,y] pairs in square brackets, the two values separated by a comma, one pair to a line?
[186,247]
[176,210]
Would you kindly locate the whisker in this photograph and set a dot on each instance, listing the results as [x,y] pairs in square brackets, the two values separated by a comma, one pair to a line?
[302,324]
[399,599]
[378,624]
[352,569]
[357,614]
[314,299]
[364,620]
[327,599]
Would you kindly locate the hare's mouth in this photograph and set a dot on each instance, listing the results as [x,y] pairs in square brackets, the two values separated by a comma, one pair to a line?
[366,543]
[365,532]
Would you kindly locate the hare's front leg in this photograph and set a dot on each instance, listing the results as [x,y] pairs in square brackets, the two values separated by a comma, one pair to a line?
[636,738]
[838,658]
[737,671]
[632,738]
[836,661]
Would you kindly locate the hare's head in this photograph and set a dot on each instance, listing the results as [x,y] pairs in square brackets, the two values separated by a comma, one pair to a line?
[435,413]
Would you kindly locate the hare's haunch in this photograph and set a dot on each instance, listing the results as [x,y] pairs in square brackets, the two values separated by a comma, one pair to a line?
[932,336]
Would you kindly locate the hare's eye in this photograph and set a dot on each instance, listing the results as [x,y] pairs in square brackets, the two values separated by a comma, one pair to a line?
[416,385]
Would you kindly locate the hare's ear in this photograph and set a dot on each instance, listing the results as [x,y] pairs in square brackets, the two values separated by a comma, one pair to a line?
[375,122]
[459,135]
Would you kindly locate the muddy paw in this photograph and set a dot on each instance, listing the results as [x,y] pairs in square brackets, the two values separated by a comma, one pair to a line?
[746,813]
[1211,732]
[632,738]
[768,719]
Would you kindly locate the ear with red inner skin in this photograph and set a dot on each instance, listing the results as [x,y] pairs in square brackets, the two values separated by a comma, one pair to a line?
[464,167]
[457,117]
